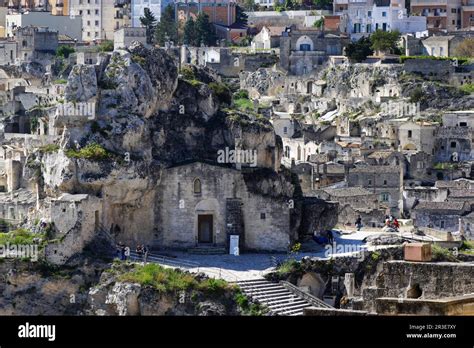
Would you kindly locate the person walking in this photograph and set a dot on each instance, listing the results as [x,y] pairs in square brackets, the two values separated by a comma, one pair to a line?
[358,223]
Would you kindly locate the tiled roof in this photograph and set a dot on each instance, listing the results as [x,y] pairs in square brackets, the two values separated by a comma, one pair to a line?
[440,206]
[375,169]
[347,192]
[381,154]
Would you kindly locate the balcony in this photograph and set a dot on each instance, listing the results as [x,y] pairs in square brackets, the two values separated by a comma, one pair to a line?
[121,3]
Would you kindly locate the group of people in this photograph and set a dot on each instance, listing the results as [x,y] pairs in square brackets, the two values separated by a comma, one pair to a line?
[123,252]
[392,222]
[142,251]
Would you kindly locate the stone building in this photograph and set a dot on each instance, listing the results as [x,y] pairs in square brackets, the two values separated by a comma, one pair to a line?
[202,204]
[36,44]
[384,181]
[267,38]
[354,202]
[8,52]
[125,36]
[304,50]
[417,136]
[443,216]
[441,46]
[453,144]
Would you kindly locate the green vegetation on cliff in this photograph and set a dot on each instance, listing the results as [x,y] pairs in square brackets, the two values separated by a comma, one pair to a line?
[92,152]
[168,279]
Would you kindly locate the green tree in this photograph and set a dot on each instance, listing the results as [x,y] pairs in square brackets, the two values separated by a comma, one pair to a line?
[240,16]
[385,41]
[167,29]
[190,34]
[149,22]
[64,51]
[358,51]
[289,5]
[465,48]
[205,30]
[319,23]
[249,5]
[106,46]
[323,4]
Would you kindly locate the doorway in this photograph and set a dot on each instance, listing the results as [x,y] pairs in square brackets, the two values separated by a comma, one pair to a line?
[205,233]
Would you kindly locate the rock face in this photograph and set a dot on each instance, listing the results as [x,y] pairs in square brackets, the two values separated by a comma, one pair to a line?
[113,297]
[145,120]
[82,84]
[37,289]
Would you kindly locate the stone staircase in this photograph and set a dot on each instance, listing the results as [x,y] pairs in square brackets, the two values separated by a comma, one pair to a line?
[275,296]
[207,250]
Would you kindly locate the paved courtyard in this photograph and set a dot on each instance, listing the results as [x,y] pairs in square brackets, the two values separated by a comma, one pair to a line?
[256,265]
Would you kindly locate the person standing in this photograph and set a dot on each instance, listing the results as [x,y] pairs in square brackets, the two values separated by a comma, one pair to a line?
[145,254]
[127,253]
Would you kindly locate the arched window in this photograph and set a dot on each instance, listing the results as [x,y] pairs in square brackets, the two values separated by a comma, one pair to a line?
[197,186]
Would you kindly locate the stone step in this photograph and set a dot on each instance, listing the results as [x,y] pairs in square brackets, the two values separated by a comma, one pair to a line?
[285,304]
[269,299]
[260,287]
[265,297]
[208,250]
[253,281]
[290,310]
[287,299]
[268,292]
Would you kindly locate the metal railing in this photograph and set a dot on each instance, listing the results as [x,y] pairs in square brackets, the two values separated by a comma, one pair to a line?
[165,260]
[308,297]
[191,266]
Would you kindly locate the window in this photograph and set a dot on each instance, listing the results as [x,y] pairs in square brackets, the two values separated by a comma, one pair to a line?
[442,224]
[462,124]
[369,14]
[385,182]
[453,144]
[263,216]
[305,47]
[410,133]
[385,197]
[384,14]
[370,182]
[285,130]
[197,186]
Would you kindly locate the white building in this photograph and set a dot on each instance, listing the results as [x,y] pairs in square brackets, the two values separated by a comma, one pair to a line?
[91,13]
[64,25]
[155,6]
[362,17]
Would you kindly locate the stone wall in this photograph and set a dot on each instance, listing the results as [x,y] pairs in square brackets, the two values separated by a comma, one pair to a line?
[76,219]
[440,69]
[435,280]
[266,220]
